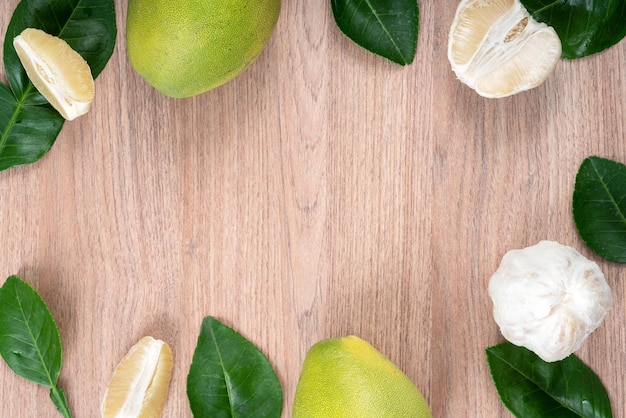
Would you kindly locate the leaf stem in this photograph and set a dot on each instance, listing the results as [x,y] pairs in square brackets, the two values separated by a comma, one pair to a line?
[59,400]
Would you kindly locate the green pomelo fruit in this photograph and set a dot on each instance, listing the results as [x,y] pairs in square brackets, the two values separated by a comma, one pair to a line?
[348,378]
[187,47]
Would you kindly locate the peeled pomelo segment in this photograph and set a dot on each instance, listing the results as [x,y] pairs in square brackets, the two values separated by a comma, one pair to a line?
[498,49]
[58,72]
[140,383]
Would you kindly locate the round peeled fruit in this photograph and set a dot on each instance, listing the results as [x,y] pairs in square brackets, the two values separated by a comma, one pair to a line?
[348,378]
[498,49]
[186,47]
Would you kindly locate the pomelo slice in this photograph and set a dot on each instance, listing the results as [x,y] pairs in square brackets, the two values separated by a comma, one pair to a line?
[60,74]
[140,382]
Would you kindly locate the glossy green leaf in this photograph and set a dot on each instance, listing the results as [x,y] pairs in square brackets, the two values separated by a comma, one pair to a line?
[532,388]
[230,377]
[28,124]
[385,27]
[28,131]
[584,27]
[29,338]
[599,207]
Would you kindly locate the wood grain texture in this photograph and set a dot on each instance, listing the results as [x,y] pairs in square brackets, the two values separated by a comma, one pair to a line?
[322,193]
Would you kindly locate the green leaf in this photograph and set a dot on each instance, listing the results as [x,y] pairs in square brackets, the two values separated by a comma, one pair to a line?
[58,398]
[230,377]
[27,132]
[29,338]
[584,27]
[29,125]
[599,207]
[532,388]
[385,27]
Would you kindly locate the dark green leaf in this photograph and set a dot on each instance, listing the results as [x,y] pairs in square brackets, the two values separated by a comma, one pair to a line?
[532,388]
[27,132]
[384,27]
[585,27]
[29,338]
[58,398]
[599,207]
[230,377]
[28,124]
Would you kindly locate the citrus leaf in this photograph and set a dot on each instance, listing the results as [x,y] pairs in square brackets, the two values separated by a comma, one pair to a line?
[29,125]
[27,132]
[599,207]
[385,27]
[29,338]
[532,388]
[585,27]
[58,398]
[230,377]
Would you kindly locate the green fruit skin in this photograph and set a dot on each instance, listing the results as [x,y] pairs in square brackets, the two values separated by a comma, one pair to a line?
[339,382]
[186,47]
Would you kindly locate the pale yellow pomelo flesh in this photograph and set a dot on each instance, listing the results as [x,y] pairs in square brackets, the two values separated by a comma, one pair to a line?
[58,72]
[348,378]
[498,49]
[186,47]
[140,382]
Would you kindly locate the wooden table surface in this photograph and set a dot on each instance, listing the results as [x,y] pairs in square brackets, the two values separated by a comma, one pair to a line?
[322,193]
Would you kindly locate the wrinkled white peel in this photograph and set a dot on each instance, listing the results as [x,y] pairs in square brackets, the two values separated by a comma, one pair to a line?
[549,298]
